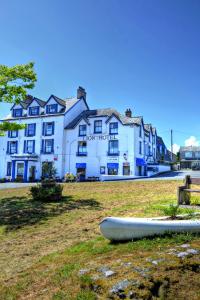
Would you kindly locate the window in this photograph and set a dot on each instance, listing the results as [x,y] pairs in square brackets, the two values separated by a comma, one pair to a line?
[9,164]
[48,128]
[47,146]
[82,130]
[12,147]
[34,111]
[98,126]
[82,148]
[112,171]
[113,128]
[13,133]
[17,112]
[52,108]
[197,154]
[30,130]
[140,147]
[113,147]
[149,150]
[188,154]
[29,146]
[140,131]
[102,170]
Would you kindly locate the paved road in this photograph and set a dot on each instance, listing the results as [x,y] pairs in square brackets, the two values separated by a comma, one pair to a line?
[175,175]
[178,175]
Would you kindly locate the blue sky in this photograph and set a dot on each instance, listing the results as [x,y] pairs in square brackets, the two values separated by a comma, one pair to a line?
[126,53]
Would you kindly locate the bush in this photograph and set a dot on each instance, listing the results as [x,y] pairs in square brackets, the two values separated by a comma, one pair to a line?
[2,180]
[47,191]
[69,177]
[172,211]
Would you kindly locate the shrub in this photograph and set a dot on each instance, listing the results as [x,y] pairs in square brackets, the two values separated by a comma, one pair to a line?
[69,177]
[172,211]
[2,180]
[47,191]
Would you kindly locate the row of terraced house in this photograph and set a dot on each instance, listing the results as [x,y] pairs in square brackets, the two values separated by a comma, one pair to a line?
[100,143]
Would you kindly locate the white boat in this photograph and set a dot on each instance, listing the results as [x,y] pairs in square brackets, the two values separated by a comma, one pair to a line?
[126,229]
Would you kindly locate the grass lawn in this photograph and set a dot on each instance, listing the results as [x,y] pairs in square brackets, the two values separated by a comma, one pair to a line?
[55,250]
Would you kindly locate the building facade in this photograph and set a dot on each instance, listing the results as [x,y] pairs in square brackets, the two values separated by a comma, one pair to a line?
[190,157]
[91,143]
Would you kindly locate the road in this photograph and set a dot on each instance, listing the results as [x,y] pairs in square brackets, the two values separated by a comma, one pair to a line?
[178,175]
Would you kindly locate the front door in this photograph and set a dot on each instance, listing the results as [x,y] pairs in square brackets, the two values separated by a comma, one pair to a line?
[20,171]
[126,170]
[81,172]
[32,173]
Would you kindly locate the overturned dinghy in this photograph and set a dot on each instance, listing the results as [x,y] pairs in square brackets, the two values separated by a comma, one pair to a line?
[126,229]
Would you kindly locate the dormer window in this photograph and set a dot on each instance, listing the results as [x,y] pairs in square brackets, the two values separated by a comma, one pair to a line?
[17,112]
[98,126]
[82,130]
[52,109]
[34,111]
[113,128]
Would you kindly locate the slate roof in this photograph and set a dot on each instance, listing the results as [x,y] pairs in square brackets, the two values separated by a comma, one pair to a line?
[189,148]
[107,112]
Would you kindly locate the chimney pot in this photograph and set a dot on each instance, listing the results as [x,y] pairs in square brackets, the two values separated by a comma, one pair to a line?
[128,113]
[81,93]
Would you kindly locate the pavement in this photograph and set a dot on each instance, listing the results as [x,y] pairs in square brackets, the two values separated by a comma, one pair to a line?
[174,175]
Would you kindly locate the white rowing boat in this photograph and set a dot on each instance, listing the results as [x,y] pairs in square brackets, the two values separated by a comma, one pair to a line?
[124,229]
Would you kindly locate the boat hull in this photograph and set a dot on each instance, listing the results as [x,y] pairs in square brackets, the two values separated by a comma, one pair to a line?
[126,229]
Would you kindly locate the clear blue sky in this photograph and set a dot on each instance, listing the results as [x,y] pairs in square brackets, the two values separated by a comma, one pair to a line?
[126,53]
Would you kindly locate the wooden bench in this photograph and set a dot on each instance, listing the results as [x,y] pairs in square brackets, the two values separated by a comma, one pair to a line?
[184,191]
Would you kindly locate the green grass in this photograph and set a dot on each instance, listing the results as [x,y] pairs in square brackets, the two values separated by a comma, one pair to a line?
[44,245]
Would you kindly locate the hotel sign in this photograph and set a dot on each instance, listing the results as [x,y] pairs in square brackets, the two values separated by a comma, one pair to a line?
[105,137]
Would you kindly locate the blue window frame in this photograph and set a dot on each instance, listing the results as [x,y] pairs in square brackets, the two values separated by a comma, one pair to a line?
[13,133]
[9,165]
[12,147]
[113,147]
[30,130]
[48,146]
[140,147]
[52,109]
[29,146]
[98,126]
[140,131]
[48,128]
[17,112]
[82,130]
[113,128]
[82,148]
[34,111]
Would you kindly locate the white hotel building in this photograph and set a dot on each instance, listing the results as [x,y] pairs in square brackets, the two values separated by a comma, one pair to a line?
[94,143]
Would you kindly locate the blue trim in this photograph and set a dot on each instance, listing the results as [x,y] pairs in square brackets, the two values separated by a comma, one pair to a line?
[112,165]
[115,126]
[85,126]
[14,112]
[13,170]
[52,106]
[95,122]
[45,127]
[27,130]
[80,165]
[31,110]
[25,147]
[140,162]
[25,170]
[9,167]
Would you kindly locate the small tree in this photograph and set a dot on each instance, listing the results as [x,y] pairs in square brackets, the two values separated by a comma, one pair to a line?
[48,170]
[14,83]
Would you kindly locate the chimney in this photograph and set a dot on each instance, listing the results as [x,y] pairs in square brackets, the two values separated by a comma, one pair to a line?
[128,113]
[81,93]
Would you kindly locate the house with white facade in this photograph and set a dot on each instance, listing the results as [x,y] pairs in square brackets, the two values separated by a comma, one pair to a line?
[100,143]
[23,152]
